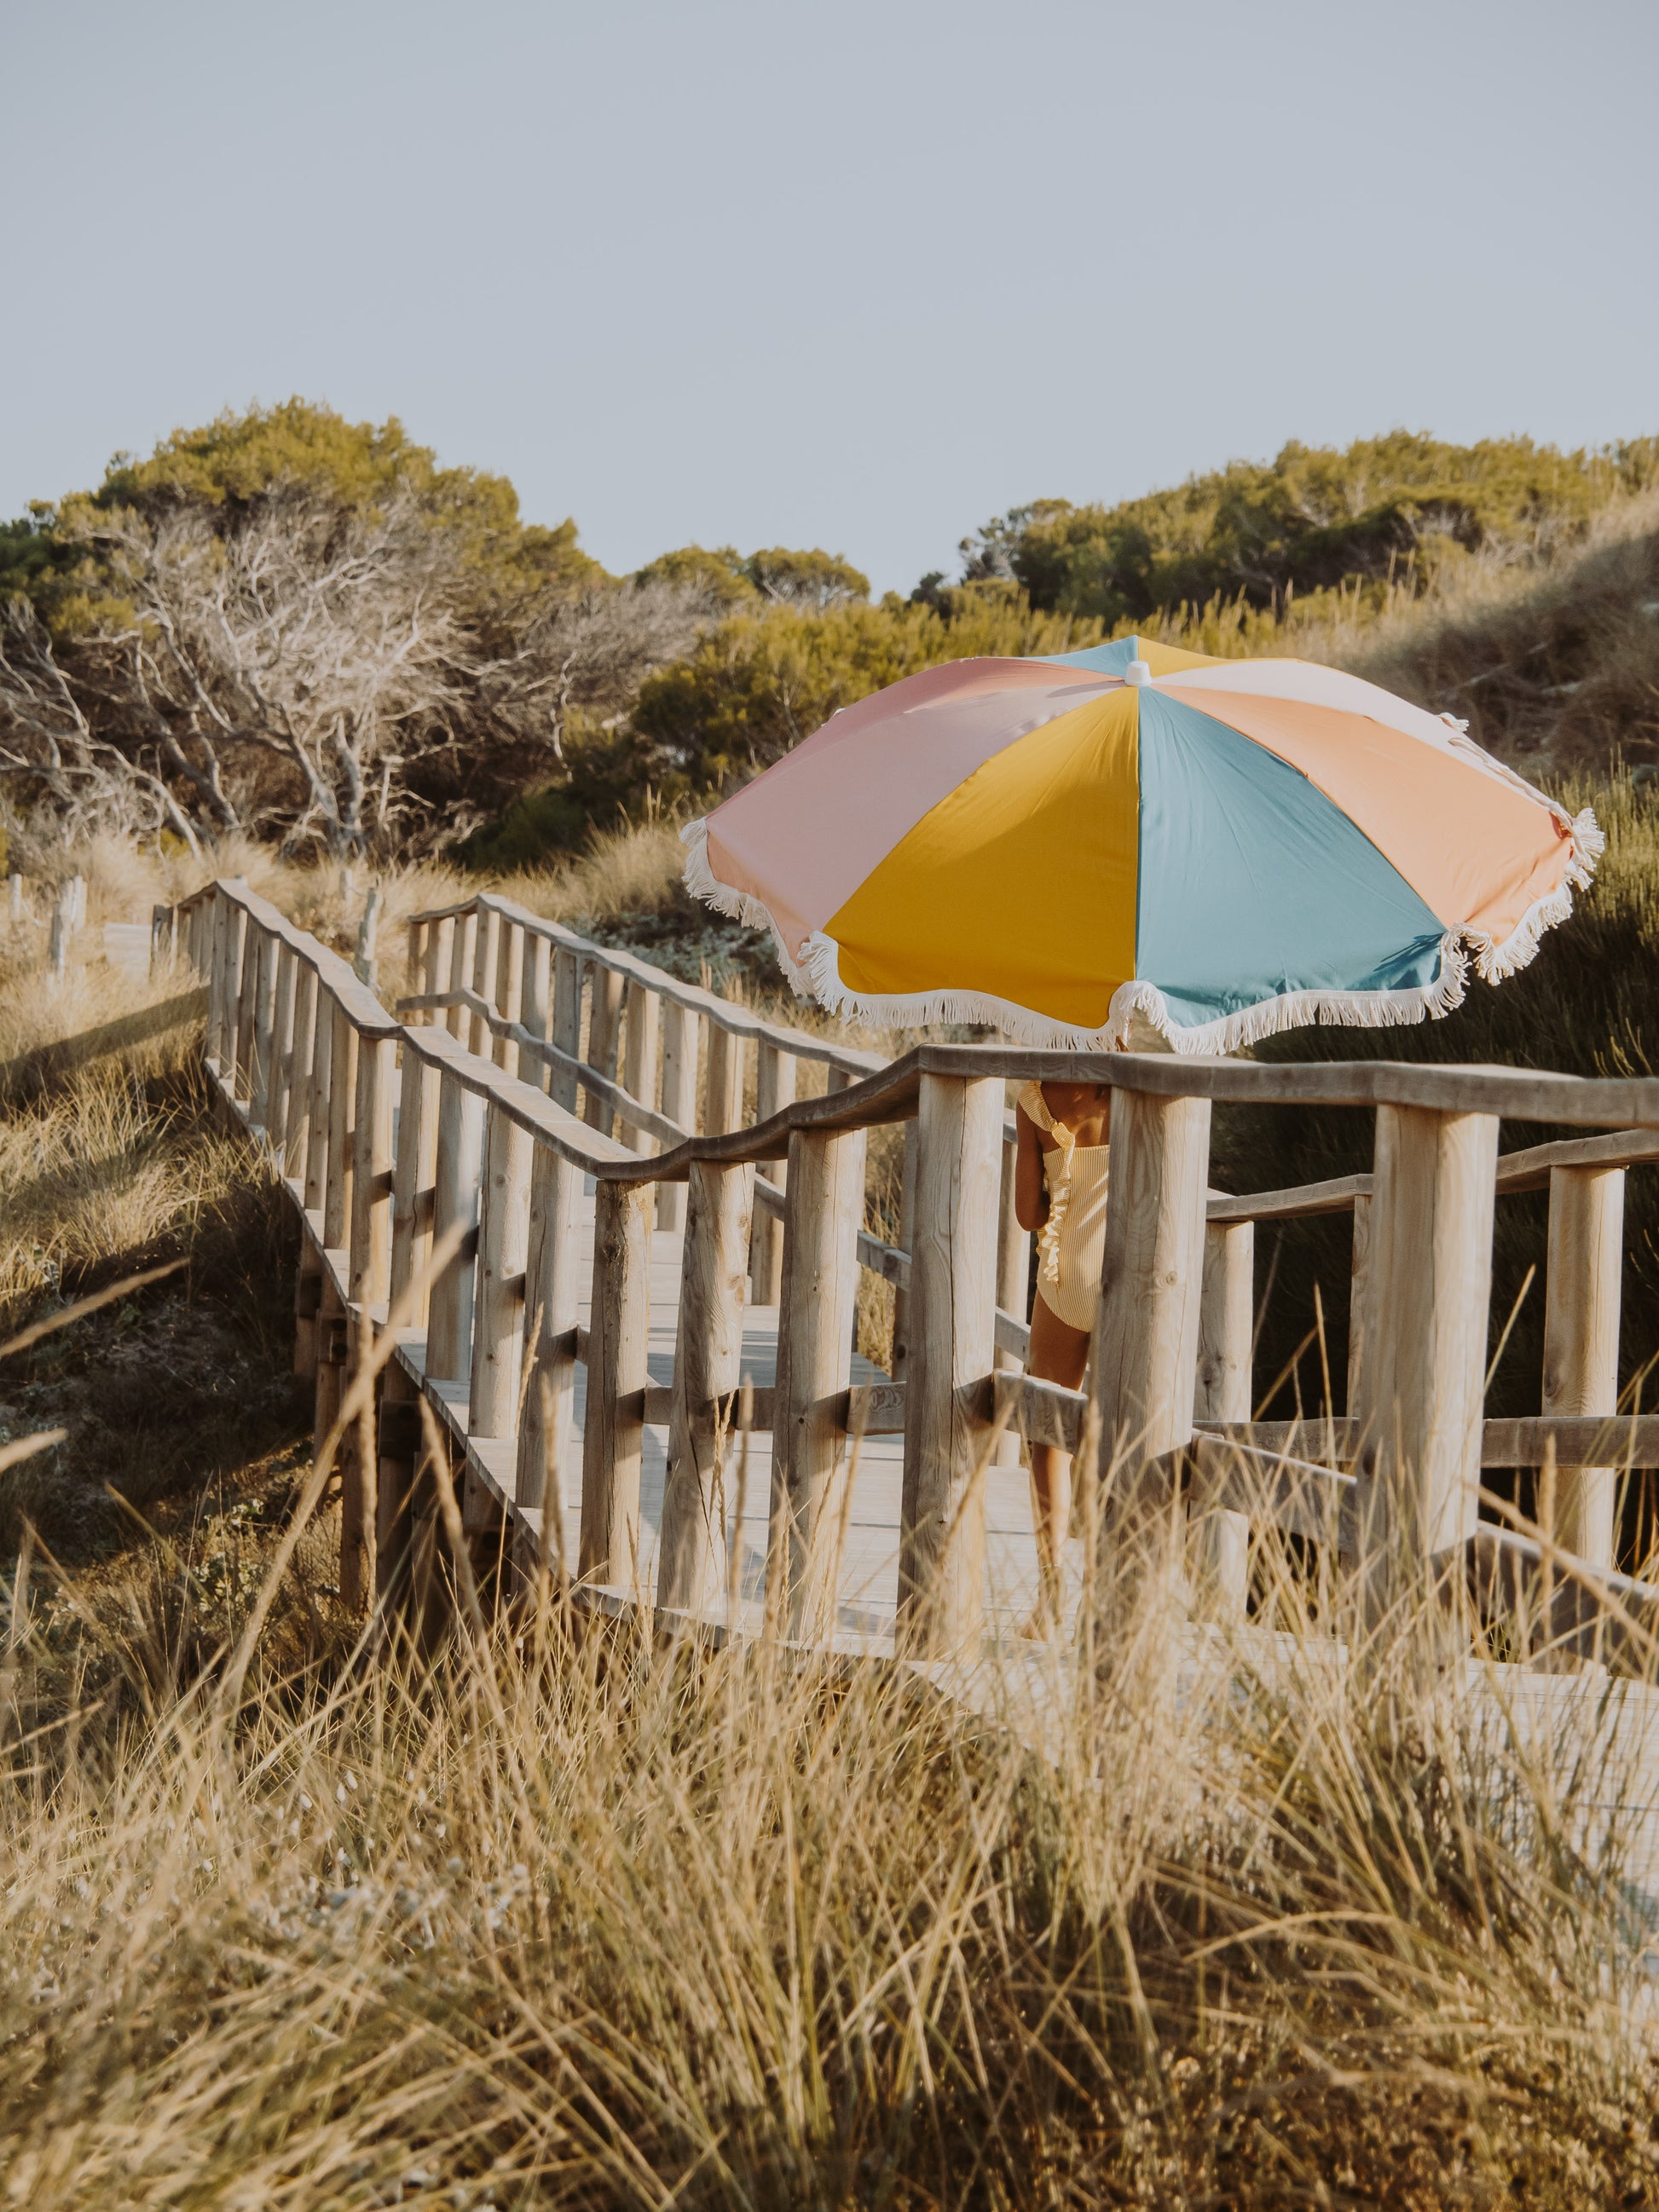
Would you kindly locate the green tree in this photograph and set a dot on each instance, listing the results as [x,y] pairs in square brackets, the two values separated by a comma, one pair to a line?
[1311,520]
[289,623]
[764,680]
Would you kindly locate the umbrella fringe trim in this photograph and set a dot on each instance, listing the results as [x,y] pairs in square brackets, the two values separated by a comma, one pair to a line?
[739,906]
[820,958]
[1493,962]
[816,974]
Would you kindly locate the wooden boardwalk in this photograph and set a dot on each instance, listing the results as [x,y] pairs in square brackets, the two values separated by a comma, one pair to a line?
[867,1597]
[458,1164]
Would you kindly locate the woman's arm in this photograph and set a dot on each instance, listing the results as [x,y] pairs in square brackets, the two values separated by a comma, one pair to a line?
[1031,1192]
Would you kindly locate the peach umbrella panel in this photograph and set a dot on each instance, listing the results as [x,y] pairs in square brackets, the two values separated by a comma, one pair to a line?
[1084,848]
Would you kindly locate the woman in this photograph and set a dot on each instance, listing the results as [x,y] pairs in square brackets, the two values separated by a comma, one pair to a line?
[1060,1190]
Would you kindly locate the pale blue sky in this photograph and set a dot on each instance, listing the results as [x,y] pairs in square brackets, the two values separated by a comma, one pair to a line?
[854,274]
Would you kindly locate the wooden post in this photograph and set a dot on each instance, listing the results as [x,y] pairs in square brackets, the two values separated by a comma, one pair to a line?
[551,1289]
[221,986]
[566,1024]
[414,1180]
[639,1080]
[368,1280]
[1143,1367]
[1357,1294]
[681,1040]
[322,1061]
[296,1133]
[1145,1362]
[440,957]
[953,1274]
[282,1053]
[907,1237]
[370,1275]
[1226,1324]
[1013,1273]
[823,1214]
[459,1168]
[774,1089]
[265,1026]
[1580,1342]
[604,1018]
[509,988]
[1425,1353]
[708,1370]
[614,1428]
[342,1130]
[463,939]
[163,937]
[536,1003]
[247,992]
[723,1097]
[503,1254]
[486,960]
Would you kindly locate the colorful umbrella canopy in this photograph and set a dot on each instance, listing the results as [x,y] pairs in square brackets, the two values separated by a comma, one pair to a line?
[1087,846]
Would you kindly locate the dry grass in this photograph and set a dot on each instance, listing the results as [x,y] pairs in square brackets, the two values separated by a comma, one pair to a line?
[1250,1921]
[1551,657]
[569,1924]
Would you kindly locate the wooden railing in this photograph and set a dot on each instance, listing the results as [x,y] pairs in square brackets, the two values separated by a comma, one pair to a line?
[482,1124]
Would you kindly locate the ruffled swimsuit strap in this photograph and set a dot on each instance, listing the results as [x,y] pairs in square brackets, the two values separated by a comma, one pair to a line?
[1059,1186]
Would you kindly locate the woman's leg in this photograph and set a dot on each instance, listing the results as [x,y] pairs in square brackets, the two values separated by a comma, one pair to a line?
[1059,1354]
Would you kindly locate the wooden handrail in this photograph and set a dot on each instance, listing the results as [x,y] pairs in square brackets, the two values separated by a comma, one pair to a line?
[488,1166]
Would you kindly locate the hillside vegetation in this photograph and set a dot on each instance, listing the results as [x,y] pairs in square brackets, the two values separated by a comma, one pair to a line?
[285,626]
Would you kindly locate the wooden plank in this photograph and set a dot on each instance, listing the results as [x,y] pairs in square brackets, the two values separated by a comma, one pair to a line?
[708,1370]
[414,1183]
[1580,1344]
[817,1298]
[604,1023]
[552,1287]
[1013,1280]
[723,1012]
[536,1001]
[774,1089]
[1518,1094]
[640,1063]
[1359,1293]
[341,1128]
[681,1042]
[264,1028]
[1335,1196]
[462,948]
[322,1063]
[440,955]
[613,1432]
[953,1262]
[1620,1440]
[247,988]
[370,1279]
[503,1257]
[281,1053]
[1226,1322]
[459,1167]
[906,1231]
[1585,1612]
[486,959]
[1424,1352]
[1531,1169]
[509,989]
[723,1094]
[567,1030]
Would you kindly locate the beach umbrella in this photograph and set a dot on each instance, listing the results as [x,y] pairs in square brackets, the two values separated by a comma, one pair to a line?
[1132,842]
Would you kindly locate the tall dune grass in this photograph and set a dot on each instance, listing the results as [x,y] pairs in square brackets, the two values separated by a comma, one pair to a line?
[565,1921]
